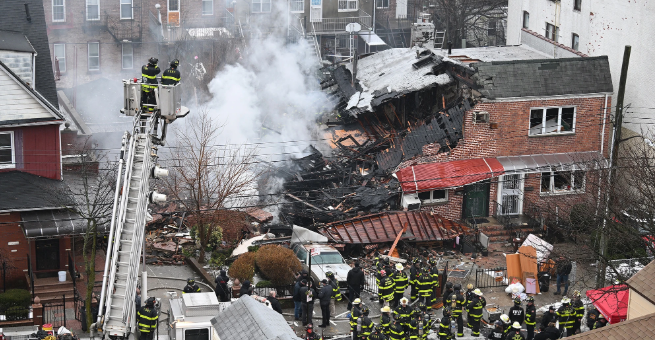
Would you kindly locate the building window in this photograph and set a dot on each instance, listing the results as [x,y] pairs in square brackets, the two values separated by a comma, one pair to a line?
[551,120]
[347,5]
[128,56]
[526,19]
[575,41]
[577,5]
[94,56]
[207,7]
[434,196]
[552,32]
[173,5]
[554,182]
[58,10]
[60,55]
[382,3]
[7,154]
[261,6]
[297,6]
[196,334]
[126,9]
[92,9]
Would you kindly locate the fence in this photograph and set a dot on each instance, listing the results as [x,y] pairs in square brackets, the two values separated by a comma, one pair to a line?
[282,291]
[370,284]
[55,313]
[14,313]
[486,278]
[620,270]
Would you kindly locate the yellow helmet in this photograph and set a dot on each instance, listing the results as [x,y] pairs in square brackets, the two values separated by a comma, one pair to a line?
[385,309]
[469,286]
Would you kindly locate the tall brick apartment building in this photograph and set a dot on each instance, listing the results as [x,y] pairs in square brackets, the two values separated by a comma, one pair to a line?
[531,141]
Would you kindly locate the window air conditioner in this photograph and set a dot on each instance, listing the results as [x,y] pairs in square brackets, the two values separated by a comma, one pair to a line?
[480,117]
[411,202]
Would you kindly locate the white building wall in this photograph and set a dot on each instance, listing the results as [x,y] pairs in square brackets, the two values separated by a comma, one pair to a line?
[604,27]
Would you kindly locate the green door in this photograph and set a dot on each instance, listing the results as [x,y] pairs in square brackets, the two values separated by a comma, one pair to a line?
[476,200]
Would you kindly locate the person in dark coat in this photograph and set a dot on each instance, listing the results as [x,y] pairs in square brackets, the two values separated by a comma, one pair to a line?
[325,295]
[147,319]
[548,317]
[515,332]
[275,304]
[355,280]
[498,333]
[516,313]
[592,316]
[549,333]
[601,322]
[191,286]
[172,75]
[307,296]
[563,270]
[297,301]
[222,290]
[530,317]
[246,288]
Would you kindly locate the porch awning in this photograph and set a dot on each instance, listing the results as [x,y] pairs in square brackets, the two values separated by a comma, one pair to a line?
[431,176]
[553,162]
[46,223]
[371,39]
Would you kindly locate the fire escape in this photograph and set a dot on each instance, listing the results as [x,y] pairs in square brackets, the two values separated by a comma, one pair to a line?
[126,29]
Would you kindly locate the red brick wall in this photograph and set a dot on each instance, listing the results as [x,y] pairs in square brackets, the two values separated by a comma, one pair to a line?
[11,233]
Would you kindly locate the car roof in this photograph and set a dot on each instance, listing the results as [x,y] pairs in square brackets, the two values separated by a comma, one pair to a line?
[321,247]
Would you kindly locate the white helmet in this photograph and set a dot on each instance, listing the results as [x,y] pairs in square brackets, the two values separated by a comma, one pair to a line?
[504,318]
[566,300]
[516,325]
[399,266]
[477,292]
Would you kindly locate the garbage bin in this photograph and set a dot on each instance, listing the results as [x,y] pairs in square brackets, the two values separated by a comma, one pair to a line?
[544,281]
[62,276]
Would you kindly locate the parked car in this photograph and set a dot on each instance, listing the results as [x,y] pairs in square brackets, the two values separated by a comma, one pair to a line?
[327,259]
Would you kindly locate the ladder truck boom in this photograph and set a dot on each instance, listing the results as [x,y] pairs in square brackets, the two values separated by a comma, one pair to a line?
[137,164]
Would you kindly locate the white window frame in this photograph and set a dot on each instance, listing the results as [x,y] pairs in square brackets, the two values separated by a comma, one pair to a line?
[381,4]
[89,56]
[123,55]
[575,44]
[297,6]
[551,190]
[434,200]
[558,130]
[12,147]
[346,5]
[211,3]
[168,6]
[54,53]
[97,13]
[258,6]
[122,15]
[526,20]
[63,6]
[554,34]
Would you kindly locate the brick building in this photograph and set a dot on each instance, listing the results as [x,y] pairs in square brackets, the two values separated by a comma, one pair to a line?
[531,141]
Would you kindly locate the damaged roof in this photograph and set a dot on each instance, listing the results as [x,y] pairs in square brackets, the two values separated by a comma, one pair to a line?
[543,77]
[422,226]
[431,176]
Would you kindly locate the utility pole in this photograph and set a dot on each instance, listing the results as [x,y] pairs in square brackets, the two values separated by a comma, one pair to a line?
[614,157]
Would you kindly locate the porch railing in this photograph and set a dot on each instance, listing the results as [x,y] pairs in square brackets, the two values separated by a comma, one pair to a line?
[71,269]
[336,25]
[30,274]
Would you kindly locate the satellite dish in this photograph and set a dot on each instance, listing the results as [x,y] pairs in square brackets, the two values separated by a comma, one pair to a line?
[353,27]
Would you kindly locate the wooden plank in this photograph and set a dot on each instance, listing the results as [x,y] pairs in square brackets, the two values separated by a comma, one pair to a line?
[513,265]
[528,259]
[393,246]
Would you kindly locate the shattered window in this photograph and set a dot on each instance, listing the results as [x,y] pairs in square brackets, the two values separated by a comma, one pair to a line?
[552,120]
[545,182]
[562,181]
[433,196]
[424,196]
[382,3]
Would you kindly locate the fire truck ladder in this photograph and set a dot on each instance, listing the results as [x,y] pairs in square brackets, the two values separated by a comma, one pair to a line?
[127,233]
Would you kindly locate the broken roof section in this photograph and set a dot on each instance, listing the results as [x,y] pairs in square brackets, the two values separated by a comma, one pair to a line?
[431,176]
[422,226]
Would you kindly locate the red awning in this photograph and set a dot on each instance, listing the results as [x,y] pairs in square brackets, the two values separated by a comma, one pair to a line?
[612,301]
[431,176]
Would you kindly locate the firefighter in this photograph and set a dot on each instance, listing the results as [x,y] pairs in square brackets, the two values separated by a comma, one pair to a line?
[434,272]
[401,282]
[417,325]
[385,319]
[149,82]
[507,325]
[566,317]
[396,331]
[516,313]
[592,316]
[403,313]
[474,309]
[377,334]
[458,301]
[171,76]
[447,295]
[191,286]
[578,307]
[427,320]
[364,324]
[515,332]
[385,288]
[498,333]
[336,292]
[147,319]
[355,313]
[413,277]
[601,322]
[469,297]
[425,289]
[444,325]
[530,317]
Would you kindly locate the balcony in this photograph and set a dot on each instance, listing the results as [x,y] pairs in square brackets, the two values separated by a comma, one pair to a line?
[338,25]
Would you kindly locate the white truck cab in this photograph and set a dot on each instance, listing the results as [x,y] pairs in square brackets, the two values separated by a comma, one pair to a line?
[189,316]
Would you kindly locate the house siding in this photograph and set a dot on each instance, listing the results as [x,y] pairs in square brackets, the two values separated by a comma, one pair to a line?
[638,306]
[37,150]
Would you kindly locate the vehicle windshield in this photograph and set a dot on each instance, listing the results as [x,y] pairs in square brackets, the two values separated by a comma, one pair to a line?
[327,258]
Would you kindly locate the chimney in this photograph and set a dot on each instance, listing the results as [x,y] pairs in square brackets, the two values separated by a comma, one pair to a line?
[27,13]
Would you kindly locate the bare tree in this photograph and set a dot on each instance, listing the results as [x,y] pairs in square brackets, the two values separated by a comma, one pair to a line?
[205,177]
[464,18]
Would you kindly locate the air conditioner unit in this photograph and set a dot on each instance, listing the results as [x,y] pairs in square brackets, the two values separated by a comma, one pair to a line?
[411,202]
[480,117]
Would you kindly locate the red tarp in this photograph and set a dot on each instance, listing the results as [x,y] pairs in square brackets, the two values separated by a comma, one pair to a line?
[432,176]
[612,301]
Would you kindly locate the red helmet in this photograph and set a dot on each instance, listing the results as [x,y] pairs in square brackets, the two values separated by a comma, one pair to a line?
[382,272]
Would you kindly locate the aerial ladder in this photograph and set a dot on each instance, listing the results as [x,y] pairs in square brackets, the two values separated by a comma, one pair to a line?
[137,165]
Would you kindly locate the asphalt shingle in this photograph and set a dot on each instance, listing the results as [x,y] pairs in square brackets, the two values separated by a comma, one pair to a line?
[639,328]
[24,191]
[543,77]
[644,281]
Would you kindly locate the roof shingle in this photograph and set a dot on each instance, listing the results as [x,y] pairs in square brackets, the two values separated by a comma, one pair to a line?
[639,328]
[644,281]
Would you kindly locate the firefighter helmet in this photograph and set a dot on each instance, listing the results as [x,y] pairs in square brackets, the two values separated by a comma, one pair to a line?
[175,63]
[150,302]
[153,61]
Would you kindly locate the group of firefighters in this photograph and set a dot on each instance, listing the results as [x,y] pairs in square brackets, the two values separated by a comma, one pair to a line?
[400,320]
[149,82]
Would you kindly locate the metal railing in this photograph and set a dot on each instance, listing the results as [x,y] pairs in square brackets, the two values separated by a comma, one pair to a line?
[283,292]
[30,274]
[71,269]
[333,25]
[370,284]
[487,278]
[14,313]
[54,313]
